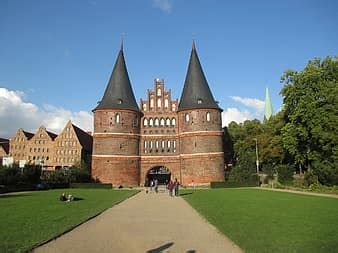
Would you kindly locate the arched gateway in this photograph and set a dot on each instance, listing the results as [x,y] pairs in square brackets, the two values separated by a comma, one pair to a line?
[161,173]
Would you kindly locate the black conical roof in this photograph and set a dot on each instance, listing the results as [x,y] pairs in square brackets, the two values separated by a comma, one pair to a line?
[196,92]
[119,93]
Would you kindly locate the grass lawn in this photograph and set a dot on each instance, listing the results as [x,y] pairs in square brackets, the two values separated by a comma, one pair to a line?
[27,219]
[266,221]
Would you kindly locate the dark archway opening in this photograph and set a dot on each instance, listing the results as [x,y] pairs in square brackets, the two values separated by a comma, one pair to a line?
[161,173]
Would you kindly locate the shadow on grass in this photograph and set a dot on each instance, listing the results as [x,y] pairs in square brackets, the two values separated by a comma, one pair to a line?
[6,195]
[186,193]
[160,248]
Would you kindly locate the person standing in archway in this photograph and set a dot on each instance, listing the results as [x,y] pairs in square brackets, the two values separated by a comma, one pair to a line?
[151,185]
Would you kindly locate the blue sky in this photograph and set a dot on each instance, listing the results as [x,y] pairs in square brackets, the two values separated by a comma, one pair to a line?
[56,56]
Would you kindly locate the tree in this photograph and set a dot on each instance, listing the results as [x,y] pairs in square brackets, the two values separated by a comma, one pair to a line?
[310,101]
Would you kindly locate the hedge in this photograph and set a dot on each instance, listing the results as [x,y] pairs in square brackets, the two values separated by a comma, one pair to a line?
[91,185]
[234,184]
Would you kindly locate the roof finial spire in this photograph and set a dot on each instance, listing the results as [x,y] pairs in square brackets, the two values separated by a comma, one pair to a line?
[122,40]
[193,41]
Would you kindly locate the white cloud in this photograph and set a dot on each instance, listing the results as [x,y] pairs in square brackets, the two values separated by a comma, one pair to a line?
[233,114]
[164,5]
[16,113]
[250,102]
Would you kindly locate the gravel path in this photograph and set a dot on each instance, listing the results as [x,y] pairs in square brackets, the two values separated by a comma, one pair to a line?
[144,223]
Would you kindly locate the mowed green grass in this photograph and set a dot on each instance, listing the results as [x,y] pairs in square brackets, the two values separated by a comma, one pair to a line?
[266,221]
[27,219]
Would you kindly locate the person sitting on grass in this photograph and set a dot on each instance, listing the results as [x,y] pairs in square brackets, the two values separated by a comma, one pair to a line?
[66,198]
[70,198]
[63,197]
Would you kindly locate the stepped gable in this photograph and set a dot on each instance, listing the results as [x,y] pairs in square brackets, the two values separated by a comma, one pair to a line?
[196,92]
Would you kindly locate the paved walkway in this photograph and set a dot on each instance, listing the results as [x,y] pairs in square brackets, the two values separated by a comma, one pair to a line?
[144,223]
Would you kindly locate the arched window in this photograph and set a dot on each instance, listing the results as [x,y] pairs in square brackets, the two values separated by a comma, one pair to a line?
[157,144]
[151,103]
[117,118]
[173,121]
[158,92]
[168,144]
[151,144]
[187,117]
[159,103]
[173,107]
[145,122]
[162,144]
[162,122]
[151,122]
[144,107]
[166,103]
[156,122]
[167,122]
[145,144]
[208,116]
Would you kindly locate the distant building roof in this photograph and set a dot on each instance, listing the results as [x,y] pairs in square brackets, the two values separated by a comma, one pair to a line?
[119,93]
[51,135]
[86,140]
[4,143]
[196,92]
[28,134]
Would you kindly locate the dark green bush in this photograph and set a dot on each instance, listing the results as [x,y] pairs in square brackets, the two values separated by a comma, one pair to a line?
[310,178]
[91,185]
[285,173]
[228,184]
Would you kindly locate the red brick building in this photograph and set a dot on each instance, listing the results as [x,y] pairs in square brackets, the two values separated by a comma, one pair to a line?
[164,139]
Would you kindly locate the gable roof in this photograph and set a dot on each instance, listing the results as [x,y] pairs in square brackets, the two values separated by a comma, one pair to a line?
[86,140]
[51,135]
[196,93]
[27,134]
[4,143]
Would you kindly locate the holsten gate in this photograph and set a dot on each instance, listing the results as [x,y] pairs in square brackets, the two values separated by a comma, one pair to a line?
[163,138]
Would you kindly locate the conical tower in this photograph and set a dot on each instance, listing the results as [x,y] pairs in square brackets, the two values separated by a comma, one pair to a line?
[200,128]
[268,105]
[116,134]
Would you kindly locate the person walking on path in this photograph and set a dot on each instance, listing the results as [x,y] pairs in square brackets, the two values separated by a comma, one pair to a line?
[156,185]
[176,187]
[151,185]
[171,188]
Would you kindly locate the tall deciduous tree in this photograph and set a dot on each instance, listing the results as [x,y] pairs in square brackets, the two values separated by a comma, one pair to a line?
[311,117]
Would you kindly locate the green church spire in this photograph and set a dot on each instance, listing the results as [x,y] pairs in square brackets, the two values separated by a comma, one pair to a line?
[268,106]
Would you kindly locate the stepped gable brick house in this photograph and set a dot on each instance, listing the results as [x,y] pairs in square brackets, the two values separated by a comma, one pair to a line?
[71,147]
[18,144]
[39,148]
[165,139]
